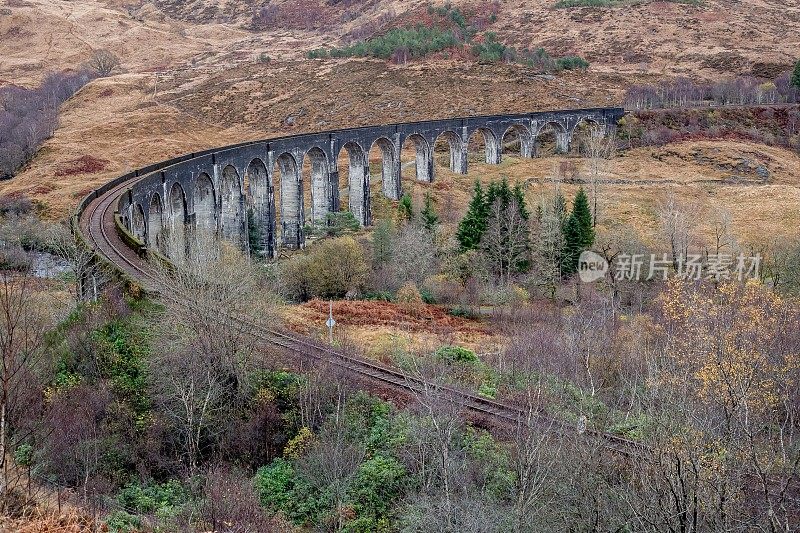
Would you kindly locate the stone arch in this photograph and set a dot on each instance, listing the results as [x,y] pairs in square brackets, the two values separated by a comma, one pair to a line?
[582,133]
[388,164]
[551,137]
[155,223]
[517,138]
[176,247]
[458,159]
[205,204]
[490,143]
[320,201]
[138,225]
[354,193]
[260,200]
[422,157]
[291,206]
[231,216]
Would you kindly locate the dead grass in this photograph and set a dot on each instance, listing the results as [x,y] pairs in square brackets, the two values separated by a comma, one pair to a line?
[384,328]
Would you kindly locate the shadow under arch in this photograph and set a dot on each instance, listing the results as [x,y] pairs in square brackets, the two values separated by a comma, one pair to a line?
[517,139]
[586,132]
[155,223]
[205,204]
[457,161]
[423,157]
[355,192]
[260,209]
[291,206]
[320,185]
[387,174]
[138,224]
[176,246]
[551,138]
[491,146]
[231,216]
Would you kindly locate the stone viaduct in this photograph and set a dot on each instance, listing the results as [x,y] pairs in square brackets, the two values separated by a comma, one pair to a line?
[216,191]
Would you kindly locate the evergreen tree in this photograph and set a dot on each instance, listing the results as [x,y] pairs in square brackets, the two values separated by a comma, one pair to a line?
[429,217]
[578,233]
[406,207]
[473,225]
[519,195]
[573,236]
[583,215]
[499,191]
[796,75]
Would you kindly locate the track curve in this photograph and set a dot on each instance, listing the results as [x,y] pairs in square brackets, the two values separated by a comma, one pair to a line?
[95,220]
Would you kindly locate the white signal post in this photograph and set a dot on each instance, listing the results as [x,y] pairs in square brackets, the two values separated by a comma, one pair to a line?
[330,322]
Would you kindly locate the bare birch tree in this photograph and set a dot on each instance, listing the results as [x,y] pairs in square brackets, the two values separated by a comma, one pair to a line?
[506,242]
[598,147]
[211,305]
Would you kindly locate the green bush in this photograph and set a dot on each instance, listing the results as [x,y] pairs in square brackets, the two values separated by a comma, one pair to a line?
[416,42]
[379,296]
[152,498]
[462,312]
[378,484]
[281,488]
[487,391]
[427,296]
[23,455]
[572,63]
[337,224]
[122,522]
[121,352]
[491,49]
[456,354]
[329,270]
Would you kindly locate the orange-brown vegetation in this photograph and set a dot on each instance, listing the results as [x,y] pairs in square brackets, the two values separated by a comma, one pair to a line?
[84,164]
[429,318]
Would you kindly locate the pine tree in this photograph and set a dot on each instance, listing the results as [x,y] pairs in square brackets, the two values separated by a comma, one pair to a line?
[583,215]
[499,191]
[429,217]
[473,225]
[573,236]
[519,195]
[406,207]
[578,233]
[796,75]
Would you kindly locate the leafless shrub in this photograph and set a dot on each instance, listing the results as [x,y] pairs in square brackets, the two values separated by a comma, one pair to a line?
[103,62]
[231,504]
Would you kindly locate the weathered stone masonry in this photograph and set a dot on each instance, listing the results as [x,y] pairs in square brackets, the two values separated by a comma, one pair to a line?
[216,191]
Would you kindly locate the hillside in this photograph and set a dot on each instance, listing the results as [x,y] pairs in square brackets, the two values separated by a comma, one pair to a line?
[194,74]
[712,39]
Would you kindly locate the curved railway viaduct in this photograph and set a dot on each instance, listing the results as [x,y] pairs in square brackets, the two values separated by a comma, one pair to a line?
[104,221]
[218,190]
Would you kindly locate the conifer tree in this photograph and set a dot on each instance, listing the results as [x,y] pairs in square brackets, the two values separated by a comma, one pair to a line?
[796,75]
[583,214]
[406,207]
[578,233]
[519,196]
[573,236]
[473,225]
[429,217]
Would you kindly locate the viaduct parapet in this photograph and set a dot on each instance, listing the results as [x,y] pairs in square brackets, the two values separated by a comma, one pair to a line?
[225,191]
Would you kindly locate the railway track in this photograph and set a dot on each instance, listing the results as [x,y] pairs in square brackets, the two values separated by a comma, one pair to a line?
[97,224]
